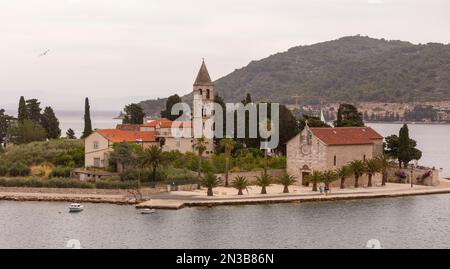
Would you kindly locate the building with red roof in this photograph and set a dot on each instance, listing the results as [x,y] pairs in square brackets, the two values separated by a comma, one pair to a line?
[331,148]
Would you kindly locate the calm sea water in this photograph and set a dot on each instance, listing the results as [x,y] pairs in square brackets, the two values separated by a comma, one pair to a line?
[409,222]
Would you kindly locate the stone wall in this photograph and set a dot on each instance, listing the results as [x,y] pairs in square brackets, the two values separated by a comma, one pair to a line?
[417,175]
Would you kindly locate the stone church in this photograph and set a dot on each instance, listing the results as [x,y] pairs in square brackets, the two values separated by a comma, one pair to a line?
[331,148]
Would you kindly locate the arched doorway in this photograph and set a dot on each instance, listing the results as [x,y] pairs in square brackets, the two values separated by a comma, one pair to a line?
[305,171]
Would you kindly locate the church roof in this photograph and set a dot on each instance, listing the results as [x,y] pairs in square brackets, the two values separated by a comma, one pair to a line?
[346,135]
[203,78]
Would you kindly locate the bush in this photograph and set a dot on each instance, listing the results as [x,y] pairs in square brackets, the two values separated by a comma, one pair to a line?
[109,184]
[58,152]
[66,183]
[277,162]
[136,174]
[61,171]
[19,169]
[45,183]
[4,168]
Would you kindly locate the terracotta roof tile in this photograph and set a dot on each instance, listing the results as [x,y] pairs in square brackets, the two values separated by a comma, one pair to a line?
[346,135]
[165,123]
[118,136]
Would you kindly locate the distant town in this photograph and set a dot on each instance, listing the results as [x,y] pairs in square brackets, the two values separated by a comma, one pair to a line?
[420,112]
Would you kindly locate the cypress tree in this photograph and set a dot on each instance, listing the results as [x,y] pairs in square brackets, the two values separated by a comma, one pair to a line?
[22,114]
[87,119]
[404,146]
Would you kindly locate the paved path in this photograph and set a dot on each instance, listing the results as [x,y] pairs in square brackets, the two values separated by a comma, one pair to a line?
[177,200]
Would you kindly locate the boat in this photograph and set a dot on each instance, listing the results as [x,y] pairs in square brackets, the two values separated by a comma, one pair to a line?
[148,211]
[75,208]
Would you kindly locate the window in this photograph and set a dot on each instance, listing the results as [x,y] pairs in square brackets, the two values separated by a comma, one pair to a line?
[335,160]
[201,92]
[364,157]
[96,162]
[95,145]
[309,138]
[208,94]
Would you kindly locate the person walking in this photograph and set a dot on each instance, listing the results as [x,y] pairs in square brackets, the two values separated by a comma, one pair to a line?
[327,190]
[321,189]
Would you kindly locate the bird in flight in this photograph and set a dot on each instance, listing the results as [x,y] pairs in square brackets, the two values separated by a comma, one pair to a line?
[44,53]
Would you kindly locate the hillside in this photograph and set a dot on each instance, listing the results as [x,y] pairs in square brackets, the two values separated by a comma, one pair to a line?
[348,69]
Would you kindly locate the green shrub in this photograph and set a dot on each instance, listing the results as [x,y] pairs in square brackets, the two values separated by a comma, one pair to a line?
[45,183]
[136,174]
[66,183]
[58,152]
[109,184]
[3,170]
[61,171]
[19,169]
[277,162]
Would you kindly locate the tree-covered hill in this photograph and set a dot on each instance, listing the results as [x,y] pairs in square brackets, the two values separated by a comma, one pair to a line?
[348,69]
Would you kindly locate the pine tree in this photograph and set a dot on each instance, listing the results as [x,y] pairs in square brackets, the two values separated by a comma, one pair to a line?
[22,113]
[348,116]
[87,119]
[33,108]
[70,134]
[171,101]
[50,123]
[134,114]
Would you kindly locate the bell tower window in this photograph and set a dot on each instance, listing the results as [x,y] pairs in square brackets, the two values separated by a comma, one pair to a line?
[208,94]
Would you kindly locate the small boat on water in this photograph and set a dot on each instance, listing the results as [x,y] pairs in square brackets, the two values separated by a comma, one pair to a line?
[73,208]
[148,211]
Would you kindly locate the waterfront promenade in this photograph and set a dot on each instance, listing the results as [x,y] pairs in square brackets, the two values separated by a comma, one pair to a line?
[228,196]
[222,196]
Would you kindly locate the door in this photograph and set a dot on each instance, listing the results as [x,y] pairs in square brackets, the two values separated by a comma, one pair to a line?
[304,182]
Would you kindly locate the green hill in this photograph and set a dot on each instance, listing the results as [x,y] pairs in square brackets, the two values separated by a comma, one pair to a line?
[348,69]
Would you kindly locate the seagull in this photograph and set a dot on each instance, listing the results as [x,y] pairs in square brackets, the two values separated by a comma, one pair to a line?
[44,53]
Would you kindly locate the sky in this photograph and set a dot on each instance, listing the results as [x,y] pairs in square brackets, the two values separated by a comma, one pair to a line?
[120,51]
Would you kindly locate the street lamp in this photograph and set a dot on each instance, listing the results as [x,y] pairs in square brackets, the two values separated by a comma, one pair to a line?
[412,172]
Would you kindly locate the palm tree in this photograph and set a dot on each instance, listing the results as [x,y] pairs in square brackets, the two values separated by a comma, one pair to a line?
[344,172]
[372,167]
[240,183]
[315,177]
[228,145]
[384,162]
[358,168]
[264,181]
[286,180]
[200,146]
[210,181]
[153,157]
[329,176]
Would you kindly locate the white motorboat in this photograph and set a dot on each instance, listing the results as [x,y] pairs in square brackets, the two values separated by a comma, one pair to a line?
[148,211]
[73,208]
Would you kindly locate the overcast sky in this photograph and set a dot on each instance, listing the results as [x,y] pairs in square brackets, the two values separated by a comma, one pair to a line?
[119,51]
